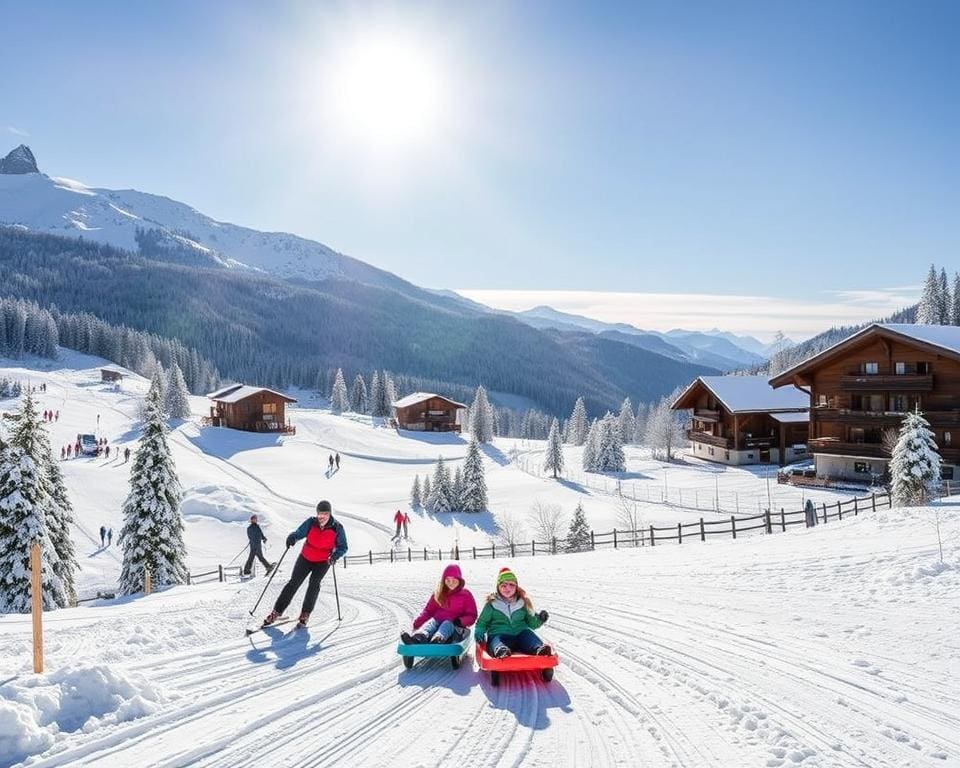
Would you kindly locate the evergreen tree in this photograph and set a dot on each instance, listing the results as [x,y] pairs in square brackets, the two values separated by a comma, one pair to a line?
[609,457]
[389,395]
[945,302]
[376,395]
[358,395]
[639,423]
[177,397]
[441,491]
[416,500]
[426,493]
[456,490]
[626,421]
[590,447]
[578,537]
[339,401]
[59,520]
[578,425]
[152,533]
[554,459]
[915,463]
[955,309]
[928,311]
[473,497]
[481,417]
[24,517]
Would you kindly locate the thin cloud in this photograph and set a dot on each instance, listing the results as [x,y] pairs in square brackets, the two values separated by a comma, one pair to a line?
[16,131]
[760,316]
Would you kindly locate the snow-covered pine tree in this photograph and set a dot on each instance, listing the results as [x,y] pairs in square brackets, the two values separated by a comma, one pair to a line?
[389,395]
[928,310]
[24,517]
[425,494]
[358,395]
[481,417]
[946,302]
[626,421]
[474,495]
[578,537]
[639,423]
[610,456]
[442,488]
[554,459]
[915,464]
[456,490]
[376,395]
[59,520]
[578,425]
[177,397]
[955,308]
[416,501]
[339,400]
[590,446]
[152,533]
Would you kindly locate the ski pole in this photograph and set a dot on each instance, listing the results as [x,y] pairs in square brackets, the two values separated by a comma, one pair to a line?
[336,593]
[239,553]
[272,574]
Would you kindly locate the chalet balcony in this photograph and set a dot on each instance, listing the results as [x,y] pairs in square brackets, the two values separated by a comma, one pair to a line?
[882,382]
[832,446]
[882,418]
[695,436]
[759,442]
[703,414]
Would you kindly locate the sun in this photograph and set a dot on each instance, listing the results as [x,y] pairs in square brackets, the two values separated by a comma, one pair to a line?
[387,91]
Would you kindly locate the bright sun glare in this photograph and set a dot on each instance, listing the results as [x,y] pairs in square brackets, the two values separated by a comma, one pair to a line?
[387,92]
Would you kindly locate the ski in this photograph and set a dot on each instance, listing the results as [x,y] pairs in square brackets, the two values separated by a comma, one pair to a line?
[281,620]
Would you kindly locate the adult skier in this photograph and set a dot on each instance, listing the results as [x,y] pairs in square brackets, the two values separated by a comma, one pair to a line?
[398,520]
[337,460]
[326,542]
[257,539]
[103,536]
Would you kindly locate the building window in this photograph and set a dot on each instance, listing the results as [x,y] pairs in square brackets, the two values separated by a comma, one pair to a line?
[710,450]
[900,368]
[946,472]
[870,368]
[947,437]
[269,407]
[822,401]
[861,467]
[726,455]
[749,455]
[923,368]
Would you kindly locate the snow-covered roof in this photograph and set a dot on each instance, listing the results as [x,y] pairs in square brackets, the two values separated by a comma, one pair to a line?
[237,392]
[946,337]
[419,397]
[749,394]
[791,417]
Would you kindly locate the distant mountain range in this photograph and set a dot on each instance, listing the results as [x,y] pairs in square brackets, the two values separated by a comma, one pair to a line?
[274,306]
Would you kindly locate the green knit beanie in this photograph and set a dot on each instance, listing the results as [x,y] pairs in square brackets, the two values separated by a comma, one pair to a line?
[505,575]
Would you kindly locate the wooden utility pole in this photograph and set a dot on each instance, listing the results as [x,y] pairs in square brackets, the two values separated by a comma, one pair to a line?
[36,599]
[147,583]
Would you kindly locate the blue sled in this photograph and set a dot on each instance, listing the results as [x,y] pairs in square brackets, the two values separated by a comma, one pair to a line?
[452,651]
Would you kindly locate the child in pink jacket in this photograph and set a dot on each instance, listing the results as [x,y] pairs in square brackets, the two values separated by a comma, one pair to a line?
[449,611]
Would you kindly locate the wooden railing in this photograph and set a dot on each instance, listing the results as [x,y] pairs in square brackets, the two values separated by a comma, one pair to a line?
[705,437]
[885,382]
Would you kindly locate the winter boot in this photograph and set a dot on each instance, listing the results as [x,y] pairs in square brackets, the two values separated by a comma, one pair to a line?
[270,567]
[502,652]
[543,650]
[302,621]
[271,617]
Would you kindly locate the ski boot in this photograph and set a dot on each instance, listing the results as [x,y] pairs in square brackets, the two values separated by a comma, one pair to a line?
[271,617]
[302,621]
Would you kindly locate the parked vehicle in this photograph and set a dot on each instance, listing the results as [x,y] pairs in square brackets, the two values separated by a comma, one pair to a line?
[88,444]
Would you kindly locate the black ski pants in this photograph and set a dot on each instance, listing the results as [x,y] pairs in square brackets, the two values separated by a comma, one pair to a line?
[301,569]
[255,553]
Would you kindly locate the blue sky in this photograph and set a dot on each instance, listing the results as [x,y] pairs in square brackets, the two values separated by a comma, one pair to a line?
[775,149]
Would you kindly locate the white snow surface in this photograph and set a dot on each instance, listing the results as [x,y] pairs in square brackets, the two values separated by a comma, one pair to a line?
[833,646]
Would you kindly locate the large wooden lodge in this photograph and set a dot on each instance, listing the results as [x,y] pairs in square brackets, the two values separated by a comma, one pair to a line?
[861,388]
[428,412]
[743,420]
[252,409]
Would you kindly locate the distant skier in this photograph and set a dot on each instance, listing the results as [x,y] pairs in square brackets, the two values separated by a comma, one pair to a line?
[406,522]
[107,449]
[103,536]
[398,520]
[126,454]
[109,536]
[326,542]
[63,453]
[69,450]
[337,460]
[257,539]
[449,611]
[331,463]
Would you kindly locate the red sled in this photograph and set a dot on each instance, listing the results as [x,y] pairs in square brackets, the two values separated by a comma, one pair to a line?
[515,662]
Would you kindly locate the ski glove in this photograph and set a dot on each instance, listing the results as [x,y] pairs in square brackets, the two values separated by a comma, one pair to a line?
[291,540]
[543,616]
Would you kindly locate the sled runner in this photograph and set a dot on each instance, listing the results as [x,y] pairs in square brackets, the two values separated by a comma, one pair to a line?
[515,662]
[453,651]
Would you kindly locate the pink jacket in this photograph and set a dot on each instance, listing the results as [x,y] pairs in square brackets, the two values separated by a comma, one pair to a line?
[460,604]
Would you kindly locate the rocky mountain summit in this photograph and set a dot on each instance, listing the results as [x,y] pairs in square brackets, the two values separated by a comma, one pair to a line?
[20,160]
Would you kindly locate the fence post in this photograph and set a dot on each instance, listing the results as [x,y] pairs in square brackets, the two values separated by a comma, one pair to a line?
[733,526]
[493,550]
[679,533]
[371,557]
[36,607]
[439,554]
[513,552]
[593,544]
[783,521]
[614,538]
[840,509]
[873,499]
[456,549]
[703,532]
[220,569]
[409,555]
[474,553]
[533,547]
[768,521]
[554,545]
[855,510]
[147,583]
[653,540]
[391,555]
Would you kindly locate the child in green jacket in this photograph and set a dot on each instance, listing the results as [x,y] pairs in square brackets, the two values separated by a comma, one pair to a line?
[507,620]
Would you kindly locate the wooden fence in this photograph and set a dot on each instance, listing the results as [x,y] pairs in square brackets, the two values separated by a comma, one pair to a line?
[768,522]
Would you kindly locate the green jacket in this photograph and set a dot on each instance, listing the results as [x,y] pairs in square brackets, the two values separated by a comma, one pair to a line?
[499,617]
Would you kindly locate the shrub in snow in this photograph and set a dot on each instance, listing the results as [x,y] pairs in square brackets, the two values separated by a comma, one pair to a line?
[915,464]
[152,533]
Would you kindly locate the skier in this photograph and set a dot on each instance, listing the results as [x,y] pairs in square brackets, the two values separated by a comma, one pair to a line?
[103,536]
[337,460]
[406,522]
[810,513]
[69,450]
[331,463]
[126,454]
[107,449]
[63,453]
[398,519]
[449,611]
[507,620]
[56,416]
[326,542]
[109,536]
[257,539]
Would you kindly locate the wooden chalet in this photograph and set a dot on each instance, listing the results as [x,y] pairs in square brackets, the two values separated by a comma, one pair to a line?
[110,374]
[861,388]
[252,409]
[428,412]
[743,420]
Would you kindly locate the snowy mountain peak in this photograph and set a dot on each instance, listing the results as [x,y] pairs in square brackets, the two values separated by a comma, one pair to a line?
[20,160]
